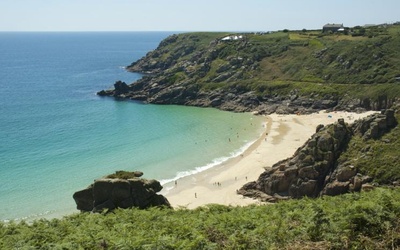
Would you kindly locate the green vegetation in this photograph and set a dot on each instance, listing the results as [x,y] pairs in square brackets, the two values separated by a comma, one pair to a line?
[306,59]
[335,58]
[353,221]
[121,174]
[305,88]
[380,159]
[360,63]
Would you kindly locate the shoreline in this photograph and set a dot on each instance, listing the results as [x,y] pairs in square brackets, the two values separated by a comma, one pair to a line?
[282,136]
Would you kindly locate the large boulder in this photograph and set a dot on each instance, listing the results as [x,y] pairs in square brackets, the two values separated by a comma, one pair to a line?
[120,190]
[84,199]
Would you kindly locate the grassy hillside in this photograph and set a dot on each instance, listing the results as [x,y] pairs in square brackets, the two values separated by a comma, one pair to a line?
[359,64]
[326,63]
[352,221]
[337,58]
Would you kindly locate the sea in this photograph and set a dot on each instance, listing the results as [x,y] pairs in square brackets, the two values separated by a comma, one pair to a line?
[57,136]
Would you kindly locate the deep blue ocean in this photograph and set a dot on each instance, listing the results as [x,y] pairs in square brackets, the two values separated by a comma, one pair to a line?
[57,136]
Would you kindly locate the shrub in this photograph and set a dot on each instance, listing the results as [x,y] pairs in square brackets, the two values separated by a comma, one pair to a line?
[349,221]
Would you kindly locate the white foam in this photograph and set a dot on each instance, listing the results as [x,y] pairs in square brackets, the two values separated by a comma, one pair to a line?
[32,217]
[212,164]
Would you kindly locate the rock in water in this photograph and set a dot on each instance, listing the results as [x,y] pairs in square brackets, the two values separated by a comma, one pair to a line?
[120,87]
[120,190]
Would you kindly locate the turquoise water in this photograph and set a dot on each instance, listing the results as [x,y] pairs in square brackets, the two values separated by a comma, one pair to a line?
[57,136]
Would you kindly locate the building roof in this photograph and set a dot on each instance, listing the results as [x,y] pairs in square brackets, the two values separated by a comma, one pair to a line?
[333,25]
[234,37]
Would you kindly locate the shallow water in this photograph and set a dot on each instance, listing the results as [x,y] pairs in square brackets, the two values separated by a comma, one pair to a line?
[57,136]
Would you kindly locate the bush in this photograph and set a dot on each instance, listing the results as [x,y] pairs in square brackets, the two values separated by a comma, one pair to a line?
[360,220]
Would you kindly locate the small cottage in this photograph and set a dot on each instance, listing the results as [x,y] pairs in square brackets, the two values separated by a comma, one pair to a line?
[332,27]
[232,38]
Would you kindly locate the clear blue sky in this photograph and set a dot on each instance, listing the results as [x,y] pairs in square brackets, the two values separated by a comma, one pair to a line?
[185,15]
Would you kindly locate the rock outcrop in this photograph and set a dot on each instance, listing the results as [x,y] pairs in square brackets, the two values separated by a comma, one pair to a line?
[314,170]
[154,90]
[120,190]
[240,75]
[120,88]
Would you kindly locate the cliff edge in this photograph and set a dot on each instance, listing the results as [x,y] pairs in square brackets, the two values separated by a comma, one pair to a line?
[277,72]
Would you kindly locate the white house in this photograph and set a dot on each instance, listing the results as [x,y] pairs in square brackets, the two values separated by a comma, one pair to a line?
[232,38]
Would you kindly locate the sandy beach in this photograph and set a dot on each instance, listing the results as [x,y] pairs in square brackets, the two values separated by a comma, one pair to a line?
[283,135]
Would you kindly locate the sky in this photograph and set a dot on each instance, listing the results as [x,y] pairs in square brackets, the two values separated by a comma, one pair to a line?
[195,15]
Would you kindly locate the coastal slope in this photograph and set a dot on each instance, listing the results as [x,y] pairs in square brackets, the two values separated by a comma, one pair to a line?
[275,72]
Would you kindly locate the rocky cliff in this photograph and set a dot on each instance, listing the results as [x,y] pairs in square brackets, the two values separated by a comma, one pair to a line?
[281,72]
[314,169]
[120,190]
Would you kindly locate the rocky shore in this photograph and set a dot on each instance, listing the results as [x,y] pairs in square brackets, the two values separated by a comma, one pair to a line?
[196,70]
[314,169]
[147,91]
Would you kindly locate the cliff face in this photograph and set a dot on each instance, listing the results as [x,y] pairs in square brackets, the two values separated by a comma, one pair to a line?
[278,72]
[314,169]
[184,68]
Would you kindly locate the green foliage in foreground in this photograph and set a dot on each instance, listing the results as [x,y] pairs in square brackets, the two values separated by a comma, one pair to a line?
[353,221]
